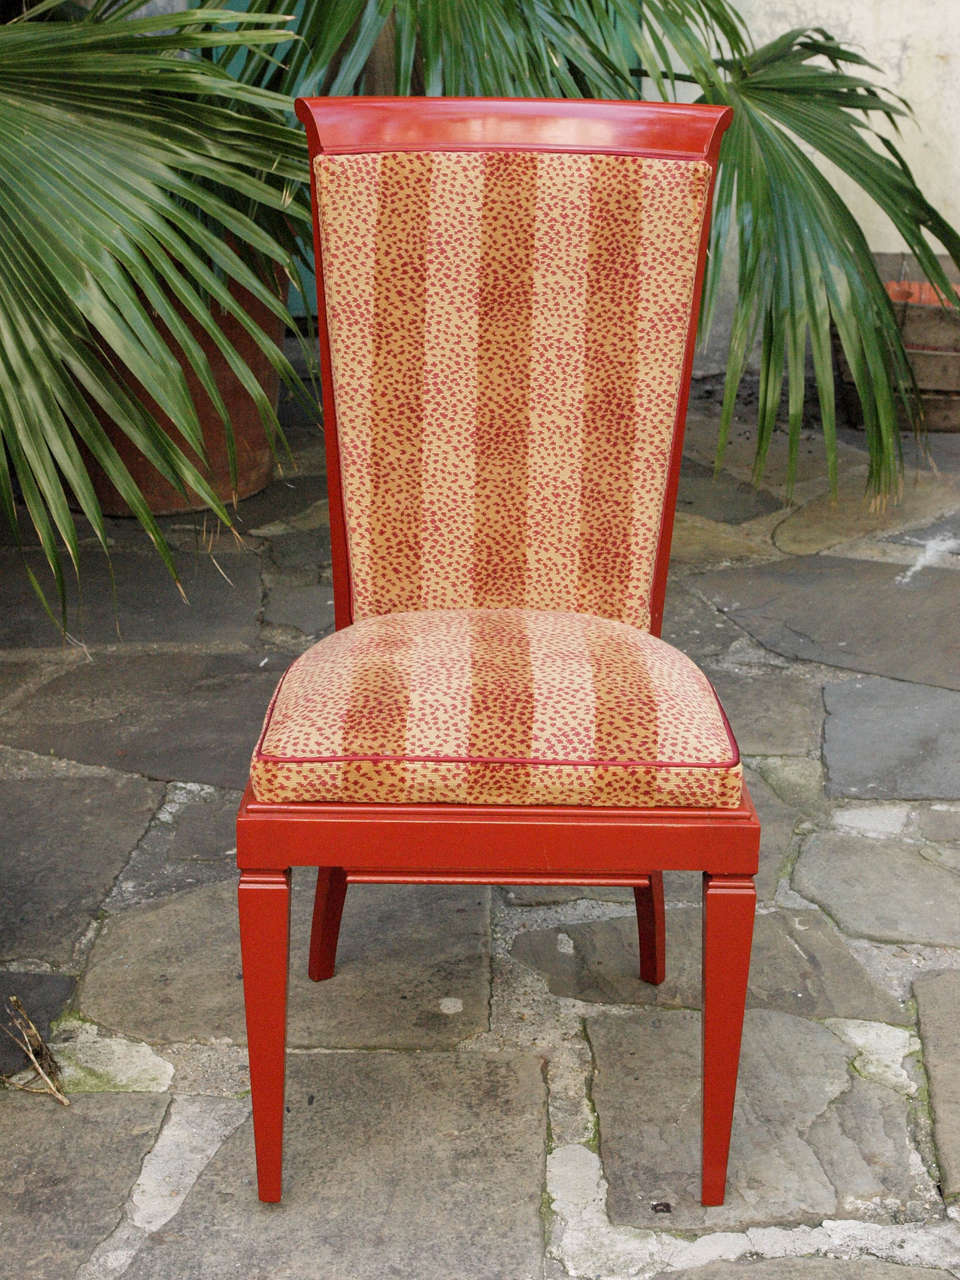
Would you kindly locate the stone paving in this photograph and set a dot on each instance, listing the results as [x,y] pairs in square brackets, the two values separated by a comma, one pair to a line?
[486,1091]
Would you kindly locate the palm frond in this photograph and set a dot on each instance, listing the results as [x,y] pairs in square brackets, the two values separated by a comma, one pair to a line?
[804,266]
[141,184]
[791,98]
[149,168]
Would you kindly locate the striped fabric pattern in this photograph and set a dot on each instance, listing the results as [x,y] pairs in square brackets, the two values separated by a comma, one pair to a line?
[496,706]
[507,333]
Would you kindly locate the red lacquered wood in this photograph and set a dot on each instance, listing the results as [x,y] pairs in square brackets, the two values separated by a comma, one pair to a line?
[339,125]
[488,844]
[264,901]
[728,910]
[658,589]
[328,903]
[429,877]
[340,560]
[651,928]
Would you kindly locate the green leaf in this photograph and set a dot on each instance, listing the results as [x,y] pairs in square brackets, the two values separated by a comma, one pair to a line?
[142,186]
[803,264]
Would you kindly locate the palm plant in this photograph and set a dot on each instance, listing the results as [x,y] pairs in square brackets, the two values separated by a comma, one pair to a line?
[148,164]
[139,182]
[803,264]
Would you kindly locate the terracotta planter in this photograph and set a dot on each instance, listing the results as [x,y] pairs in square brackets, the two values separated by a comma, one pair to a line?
[931,336]
[254,456]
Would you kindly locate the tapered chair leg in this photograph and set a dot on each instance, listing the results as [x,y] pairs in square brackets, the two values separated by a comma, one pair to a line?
[325,931]
[728,910]
[650,928]
[264,900]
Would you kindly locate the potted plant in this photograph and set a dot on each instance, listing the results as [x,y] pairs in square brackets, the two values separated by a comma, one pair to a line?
[930,329]
[803,264]
[170,141]
[149,197]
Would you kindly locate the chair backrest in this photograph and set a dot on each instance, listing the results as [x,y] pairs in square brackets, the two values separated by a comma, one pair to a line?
[508,295]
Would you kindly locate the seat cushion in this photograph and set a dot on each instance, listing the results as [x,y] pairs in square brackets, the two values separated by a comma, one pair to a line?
[496,706]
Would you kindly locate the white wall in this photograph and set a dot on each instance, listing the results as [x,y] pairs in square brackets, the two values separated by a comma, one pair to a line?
[916,44]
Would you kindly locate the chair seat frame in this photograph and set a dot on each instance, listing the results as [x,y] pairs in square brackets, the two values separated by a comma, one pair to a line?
[447,844]
[487,844]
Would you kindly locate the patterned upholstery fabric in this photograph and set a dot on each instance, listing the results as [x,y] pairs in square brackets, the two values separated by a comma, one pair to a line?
[496,706]
[507,333]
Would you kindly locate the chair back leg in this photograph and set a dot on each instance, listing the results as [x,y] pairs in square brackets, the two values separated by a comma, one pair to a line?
[264,900]
[728,909]
[325,930]
[651,928]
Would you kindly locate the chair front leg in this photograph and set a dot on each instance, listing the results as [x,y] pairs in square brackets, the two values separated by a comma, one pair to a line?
[264,902]
[648,897]
[728,911]
[327,909]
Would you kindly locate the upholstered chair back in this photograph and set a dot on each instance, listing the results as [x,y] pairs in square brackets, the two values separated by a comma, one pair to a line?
[507,340]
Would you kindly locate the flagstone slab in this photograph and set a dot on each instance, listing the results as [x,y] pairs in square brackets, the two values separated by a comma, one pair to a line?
[285,499]
[24,534]
[800,964]
[941,448]
[890,740]
[548,895]
[810,464]
[939,822]
[944,530]
[720,496]
[777,822]
[799,783]
[15,677]
[299,416]
[847,613]
[810,1139]
[938,1002]
[851,512]
[43,996]
[416,1166]
[148,605]
[880,889]
[63,841]
[301,550]
[308,608]
[190,532]
[807,1269]
[772,712]
[694,626]
[191,841]
[412,969]
[67,1174]
[700,542]
[188,716]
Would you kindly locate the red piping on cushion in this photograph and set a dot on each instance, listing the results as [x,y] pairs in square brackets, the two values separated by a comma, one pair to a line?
[524,760]
[257,754]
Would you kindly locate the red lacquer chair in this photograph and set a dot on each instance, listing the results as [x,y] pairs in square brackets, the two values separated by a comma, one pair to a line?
[508,293]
